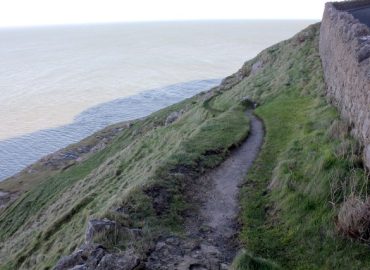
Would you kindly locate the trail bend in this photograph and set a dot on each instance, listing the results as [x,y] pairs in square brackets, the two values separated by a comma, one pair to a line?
[210,241]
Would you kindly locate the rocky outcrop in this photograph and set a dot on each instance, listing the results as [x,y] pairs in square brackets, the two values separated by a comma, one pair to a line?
[185,254]
[123,261]
[95,253]
[105,229]
[87,256]
[77,153]
[97,257]
[345,54]
[74,153]
[172,117]
[4,198]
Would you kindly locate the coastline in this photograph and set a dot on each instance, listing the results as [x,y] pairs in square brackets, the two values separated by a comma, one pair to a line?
[51,145]
[137,194]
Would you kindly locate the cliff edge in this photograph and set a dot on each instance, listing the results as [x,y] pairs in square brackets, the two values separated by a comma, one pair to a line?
[128,205]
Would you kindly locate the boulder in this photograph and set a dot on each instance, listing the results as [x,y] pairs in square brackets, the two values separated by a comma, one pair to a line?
[122,261]
[363,53]
[86,257]
[5,197]
[98,226]
[172,117]
[96,257]
[256,67]
[185,254]
[108,232]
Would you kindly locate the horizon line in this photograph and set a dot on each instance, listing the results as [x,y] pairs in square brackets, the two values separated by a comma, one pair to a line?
[150,21]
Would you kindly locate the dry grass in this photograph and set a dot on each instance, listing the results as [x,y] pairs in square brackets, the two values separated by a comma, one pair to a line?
[50,218]
[246,261]
[354,218]
[314,164]
[338,129]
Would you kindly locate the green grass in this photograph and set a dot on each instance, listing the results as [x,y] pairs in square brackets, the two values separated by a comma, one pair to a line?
[246,261]
[292,195]
[307,168]
[144,161]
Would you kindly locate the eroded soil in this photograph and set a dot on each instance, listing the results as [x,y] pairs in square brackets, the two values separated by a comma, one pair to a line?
[210,241]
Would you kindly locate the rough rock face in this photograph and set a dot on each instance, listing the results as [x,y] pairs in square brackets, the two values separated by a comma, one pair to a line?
[96,257]
[345,54]
[87,256]
[64,158]
[4,198]
[172,117]
[123,261]
[106,228]
[92,255]
[174,253]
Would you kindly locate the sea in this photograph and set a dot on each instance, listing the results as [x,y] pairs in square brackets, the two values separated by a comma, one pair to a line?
[59,84]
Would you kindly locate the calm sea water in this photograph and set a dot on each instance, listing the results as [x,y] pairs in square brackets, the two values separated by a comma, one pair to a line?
[60,84]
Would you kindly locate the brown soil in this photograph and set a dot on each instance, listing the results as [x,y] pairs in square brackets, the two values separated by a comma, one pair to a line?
[210,241]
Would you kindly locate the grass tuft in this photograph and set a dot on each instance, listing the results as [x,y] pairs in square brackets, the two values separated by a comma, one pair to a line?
[246,261]
[354,218]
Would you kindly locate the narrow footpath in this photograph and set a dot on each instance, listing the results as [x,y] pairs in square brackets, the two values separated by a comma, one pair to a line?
[210,242]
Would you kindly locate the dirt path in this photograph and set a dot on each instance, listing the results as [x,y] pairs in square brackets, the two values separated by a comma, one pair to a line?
[210,240]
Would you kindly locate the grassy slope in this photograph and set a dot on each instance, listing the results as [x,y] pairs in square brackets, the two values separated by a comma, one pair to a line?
[312,165]
[32,175]
[307,167]
[148,158]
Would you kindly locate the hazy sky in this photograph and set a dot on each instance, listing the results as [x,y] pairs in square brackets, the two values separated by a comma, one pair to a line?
[40,12]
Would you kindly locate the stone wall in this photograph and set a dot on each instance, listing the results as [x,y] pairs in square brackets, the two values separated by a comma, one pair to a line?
[346,5]
[345,52]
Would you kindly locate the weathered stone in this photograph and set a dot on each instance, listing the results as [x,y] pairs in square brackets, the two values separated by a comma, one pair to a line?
[160,199]
[105,231]
[172,117]
[344,47]
[96,257]
[5,197]
[98,226]
[86,257]
[364,39]
[367,156]
[70,261]
[363,53]
[79,267]
[209,249]
[122,261]
[256,67]
[184,254]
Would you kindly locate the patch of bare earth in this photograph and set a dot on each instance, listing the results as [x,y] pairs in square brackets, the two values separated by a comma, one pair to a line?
[210,241]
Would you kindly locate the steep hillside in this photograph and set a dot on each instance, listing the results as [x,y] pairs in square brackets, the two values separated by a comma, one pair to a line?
[309,182]
[139,180]
[143,179]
